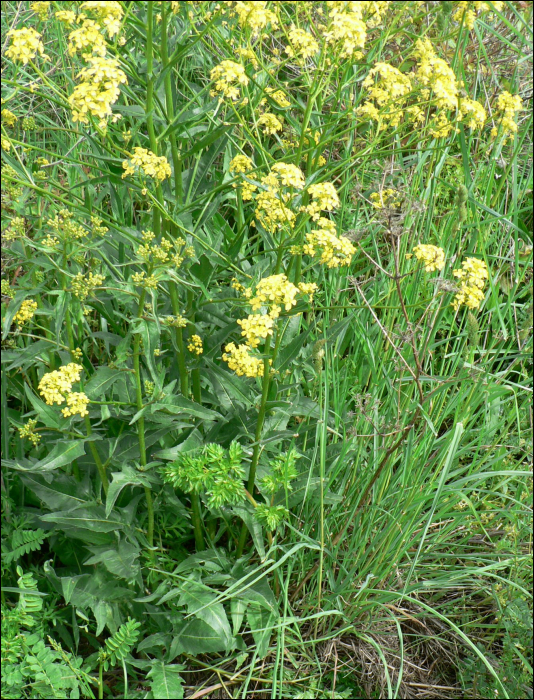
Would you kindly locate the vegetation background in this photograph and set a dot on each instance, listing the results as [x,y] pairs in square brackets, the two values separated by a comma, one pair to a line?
[267,335]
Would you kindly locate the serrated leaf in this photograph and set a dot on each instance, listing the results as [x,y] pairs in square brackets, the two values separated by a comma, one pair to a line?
[165,680]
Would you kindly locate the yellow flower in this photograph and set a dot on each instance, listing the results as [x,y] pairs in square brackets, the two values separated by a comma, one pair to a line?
[25,45]
[66,16]
[109,14]
[54,386]
[290,175]
[99,89]
[507,107]
[467,11]
[302,44]
[254,15]
[228,76]
[88,36]
[308,288]
[347,33]
[278,96]
[472,275]
[242,362]
[152,165]
[195,345]
[436,76]
[256,327]
[28,431]
[472,112]
[274,292]
[84,285]
[25,312]
[40,9]
[324,198]
[335,251]
[388,88]
[76,405]
[385,198]
[8,118]
[272,212]
[270,123]
[431,256]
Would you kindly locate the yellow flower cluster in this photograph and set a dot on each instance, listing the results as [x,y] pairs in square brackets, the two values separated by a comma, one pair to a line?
[242,362]
[98,91]
[109,14]
[272,212]
[472,113]
[279,96]
[347,31]
[248,55]
[228,76]
[64,227]
[387,89]
[432,257]
[256,327]
[467,11]
[152,165]
[84,285]
[16,229]
[472,275]
[302,44]
[239,165]
[335,251]
[176,321]
[436,76]
[8,118]
[254,15]
[507,107]
[289,175]
[56,387]
[65,16]
[28,431]
[25,312]
[195,345]
[77,403]
[40,9]
[274,292]
[25,45]
[88,39]
[7,289]
[140,279]
[385,199]
[324,198]
[270,123]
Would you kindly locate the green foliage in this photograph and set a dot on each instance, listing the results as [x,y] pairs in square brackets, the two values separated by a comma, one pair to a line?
[267,336]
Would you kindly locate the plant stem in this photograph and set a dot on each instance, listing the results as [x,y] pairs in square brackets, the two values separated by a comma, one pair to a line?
[173,291]
[197,521]
[141,420]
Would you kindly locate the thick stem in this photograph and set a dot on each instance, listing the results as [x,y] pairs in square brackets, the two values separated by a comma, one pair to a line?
[197,521]
[169,103]
[173,291]
[149,108]
[141,420]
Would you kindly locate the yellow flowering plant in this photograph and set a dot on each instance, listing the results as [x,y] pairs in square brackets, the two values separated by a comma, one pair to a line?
[265,268]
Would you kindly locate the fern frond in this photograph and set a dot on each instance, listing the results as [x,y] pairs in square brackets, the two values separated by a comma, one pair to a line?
[23,542]
[122,642]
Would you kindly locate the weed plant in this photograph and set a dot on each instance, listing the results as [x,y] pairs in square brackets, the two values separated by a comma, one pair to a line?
[267,334]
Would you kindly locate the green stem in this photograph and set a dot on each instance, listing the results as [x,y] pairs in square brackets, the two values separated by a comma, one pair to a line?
[173,292]
[141,420]
[149,108]
[70,340]
[100,681]
[169,103]
[197,521]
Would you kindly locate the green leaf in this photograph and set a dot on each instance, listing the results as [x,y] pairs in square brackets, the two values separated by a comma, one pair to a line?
[165,680]
[127,476]
[120,561]
[199,602]
[86,517]
[102,379]
[49,415]
[261,623]
[27,356]
[197,637]
[63,453]
[255,529]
